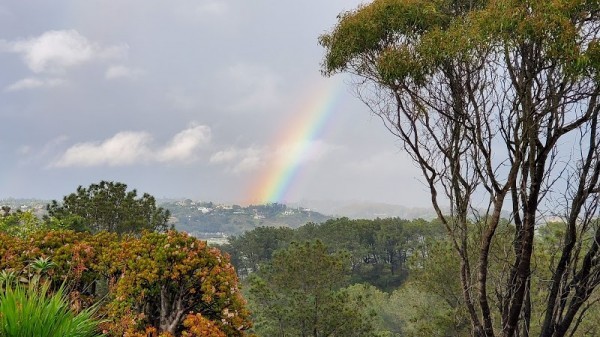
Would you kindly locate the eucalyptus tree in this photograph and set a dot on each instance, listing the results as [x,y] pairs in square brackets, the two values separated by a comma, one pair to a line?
[497,103]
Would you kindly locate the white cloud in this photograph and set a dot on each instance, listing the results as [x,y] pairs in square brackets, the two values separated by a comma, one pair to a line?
[130,148]
[120,71]
[224,156]
[33,83]
[57,50]
[249,162]
[184,144]
[123,149]
[238,160]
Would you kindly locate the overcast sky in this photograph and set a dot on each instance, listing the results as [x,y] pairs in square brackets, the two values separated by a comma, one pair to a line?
[183,98]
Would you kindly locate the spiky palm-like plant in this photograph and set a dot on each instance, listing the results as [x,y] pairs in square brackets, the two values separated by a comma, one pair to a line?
[32,311]
[42,265]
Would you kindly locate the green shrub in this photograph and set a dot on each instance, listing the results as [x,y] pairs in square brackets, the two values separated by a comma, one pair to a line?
[32,311]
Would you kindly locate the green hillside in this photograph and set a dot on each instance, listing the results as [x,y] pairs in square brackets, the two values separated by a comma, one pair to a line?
[207,219]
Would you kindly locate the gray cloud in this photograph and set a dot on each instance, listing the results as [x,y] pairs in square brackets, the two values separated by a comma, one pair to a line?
[256,86]
[239,160]
[211,7]
[121,71]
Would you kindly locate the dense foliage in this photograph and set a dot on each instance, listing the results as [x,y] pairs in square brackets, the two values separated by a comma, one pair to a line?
[383,277]
[108,206]
[299,294]
[22,223]
[162,282]
[285,269]
[377,249]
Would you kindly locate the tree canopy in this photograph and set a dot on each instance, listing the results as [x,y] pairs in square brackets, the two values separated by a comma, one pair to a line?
[497,103]
[108,206]
[299,295]
[377,250]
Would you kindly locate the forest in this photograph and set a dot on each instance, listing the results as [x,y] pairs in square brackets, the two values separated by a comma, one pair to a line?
[342,277]
[390,277]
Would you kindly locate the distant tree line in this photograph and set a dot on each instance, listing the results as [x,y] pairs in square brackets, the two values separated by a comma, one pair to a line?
[377,250]
[382,277]
[106,206]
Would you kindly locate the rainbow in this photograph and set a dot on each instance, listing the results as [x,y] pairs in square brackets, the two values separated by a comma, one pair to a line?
[296,142]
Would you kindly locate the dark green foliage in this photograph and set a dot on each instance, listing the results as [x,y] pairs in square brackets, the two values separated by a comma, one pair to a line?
[108,206]
[298,294]
[377,250]
[248,251]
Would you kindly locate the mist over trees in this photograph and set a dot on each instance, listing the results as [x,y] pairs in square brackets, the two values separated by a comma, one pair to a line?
[497,103]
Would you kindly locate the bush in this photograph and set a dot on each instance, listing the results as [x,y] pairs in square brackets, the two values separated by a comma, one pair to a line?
[32,311]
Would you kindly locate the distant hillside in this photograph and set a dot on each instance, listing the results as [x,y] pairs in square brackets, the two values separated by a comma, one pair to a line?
[37,206]
[205,219]
[369,210]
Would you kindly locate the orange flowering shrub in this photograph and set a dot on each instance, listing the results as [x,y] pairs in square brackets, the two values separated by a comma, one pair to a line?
[173,274]
[148,284]
[198,326]
[11,253]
